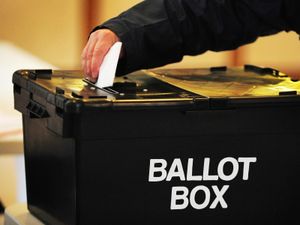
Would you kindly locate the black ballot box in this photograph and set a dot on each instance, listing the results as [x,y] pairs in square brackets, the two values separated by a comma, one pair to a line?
[182,146]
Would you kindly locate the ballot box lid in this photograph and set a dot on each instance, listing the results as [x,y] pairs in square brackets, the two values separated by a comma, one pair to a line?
[211,88]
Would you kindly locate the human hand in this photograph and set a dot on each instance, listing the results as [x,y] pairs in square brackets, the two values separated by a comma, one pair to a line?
[95,50]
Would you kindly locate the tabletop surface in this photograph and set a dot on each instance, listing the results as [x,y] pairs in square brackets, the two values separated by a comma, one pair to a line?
[18,214]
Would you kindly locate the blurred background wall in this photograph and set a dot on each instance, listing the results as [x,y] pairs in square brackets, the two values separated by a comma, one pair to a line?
[51,30]
[55,31]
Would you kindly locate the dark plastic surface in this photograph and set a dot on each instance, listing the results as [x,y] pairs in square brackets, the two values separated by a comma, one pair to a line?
[67,91]
[106,165]
[217,86]
[88,150]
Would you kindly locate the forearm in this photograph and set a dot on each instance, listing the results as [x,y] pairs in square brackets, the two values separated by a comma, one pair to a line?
[157,32]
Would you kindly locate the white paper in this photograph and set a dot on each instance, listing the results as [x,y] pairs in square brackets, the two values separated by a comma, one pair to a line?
[107,70]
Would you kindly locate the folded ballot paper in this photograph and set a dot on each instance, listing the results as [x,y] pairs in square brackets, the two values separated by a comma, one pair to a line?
[107,70]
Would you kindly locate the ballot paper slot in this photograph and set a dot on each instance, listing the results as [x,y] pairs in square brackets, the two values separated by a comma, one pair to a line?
[108,90]
[88,93]
[118,88]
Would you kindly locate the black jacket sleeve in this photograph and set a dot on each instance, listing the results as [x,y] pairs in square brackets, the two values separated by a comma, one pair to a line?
[158,32]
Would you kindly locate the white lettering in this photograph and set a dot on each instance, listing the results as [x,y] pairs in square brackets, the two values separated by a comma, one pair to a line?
[176,170]
[235,169]
[246,162]
[206,175]
[219,197]
[206,201]
[189,173]
[175,197]
[157,166]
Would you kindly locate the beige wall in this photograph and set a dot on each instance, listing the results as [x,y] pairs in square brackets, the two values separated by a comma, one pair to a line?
[52,30]
[112,8]
[280,51]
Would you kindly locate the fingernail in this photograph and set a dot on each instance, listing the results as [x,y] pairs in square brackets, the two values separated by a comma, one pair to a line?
[94,75]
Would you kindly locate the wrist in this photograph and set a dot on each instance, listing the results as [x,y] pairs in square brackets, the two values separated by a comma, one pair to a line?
[107,34]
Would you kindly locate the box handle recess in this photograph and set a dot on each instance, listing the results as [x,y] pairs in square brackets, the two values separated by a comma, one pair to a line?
[36,110]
